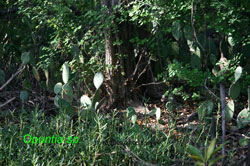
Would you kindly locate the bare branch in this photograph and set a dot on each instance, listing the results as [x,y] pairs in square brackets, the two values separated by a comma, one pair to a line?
[143,71]
[137,65]
[151,83]
[7,102]
[12,77]
[209,91]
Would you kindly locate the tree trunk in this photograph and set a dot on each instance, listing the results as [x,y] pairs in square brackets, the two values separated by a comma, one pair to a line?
[118,69]
[223,104]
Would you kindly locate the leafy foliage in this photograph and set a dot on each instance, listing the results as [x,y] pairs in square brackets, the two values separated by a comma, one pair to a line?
[64,44]
[205,109]
[243,118]
[85,101]
[209,152]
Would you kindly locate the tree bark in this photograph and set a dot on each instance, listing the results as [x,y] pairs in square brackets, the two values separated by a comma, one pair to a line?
[118,70]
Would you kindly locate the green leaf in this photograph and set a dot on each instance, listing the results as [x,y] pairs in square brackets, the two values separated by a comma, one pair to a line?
[196,158]
[188,32]
[195,152]
[215,71]
[58,87]
[198,52]
[46,73]
[243,118]
[56,99]
[158,114]
[243,141]
[229,110]
[213,59]
[237,73]
[176,30]
[133,119]
[215,160]
[198,163]
[234,90]
[130,111]
[152,112]
[210,149]
[24,96]
[218,148]
[212,50]
[67,93]
[65,73]
[25,57]
[169,106]
[202,39]
[35,73]
[66,106]
[175,49]
[195,61]
[205,109]
[231,41]
[98,80]
[75,51]
[85,102]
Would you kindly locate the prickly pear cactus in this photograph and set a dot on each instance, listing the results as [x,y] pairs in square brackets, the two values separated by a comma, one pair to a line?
[237,73]
[58,88]
[243,118]
[85,101]
[67,92]
[24,96]
[205,109]
[234,90]
[63,91]
[176,30]
[98,80]
[195,61]
[65,73]
[229,110]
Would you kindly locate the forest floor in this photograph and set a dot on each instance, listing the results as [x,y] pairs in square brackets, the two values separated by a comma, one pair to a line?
[181,121]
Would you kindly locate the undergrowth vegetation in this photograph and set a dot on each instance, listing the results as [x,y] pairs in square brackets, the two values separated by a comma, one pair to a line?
[103,140]
[135,82]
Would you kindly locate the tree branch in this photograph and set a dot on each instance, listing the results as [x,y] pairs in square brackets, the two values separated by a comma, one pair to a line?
[7,102]
[209,91]
[151,83]
[12,77]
